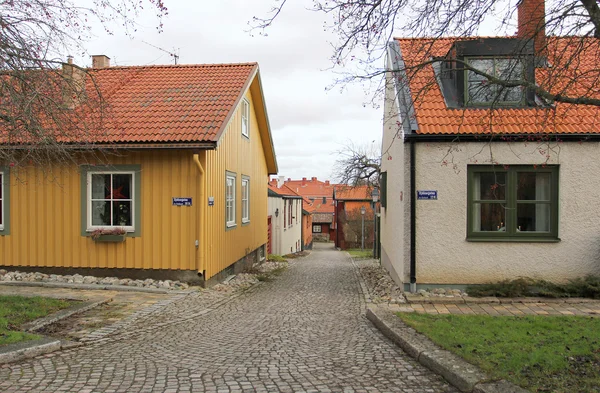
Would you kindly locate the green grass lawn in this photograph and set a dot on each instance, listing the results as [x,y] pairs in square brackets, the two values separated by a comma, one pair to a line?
[18,310]
[358,253]
[541,354]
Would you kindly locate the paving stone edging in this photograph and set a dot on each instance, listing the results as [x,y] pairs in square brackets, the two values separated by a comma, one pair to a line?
[62,314]
[28,349]
[463,375]
[123,288]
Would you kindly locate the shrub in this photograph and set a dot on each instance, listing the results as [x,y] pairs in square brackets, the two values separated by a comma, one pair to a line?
[588,286]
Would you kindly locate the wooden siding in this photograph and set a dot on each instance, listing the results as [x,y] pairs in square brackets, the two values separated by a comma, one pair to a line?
[242,156]
[46,224]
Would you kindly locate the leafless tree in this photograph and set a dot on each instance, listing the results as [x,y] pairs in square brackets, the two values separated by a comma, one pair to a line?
[49,106]
[358,165]
[364,28]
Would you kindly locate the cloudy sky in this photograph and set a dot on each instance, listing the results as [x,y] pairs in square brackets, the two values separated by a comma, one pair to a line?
[309,123]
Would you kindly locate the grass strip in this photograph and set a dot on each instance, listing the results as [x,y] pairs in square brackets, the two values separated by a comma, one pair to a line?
[539,353]
[18,310]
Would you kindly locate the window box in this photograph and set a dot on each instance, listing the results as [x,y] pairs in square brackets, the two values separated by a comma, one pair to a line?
[110,238]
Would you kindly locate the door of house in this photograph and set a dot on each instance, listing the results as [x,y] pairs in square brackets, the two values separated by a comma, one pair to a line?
[269,235]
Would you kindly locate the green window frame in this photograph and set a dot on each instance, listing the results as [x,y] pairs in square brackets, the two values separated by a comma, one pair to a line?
[512,203]
[133,228]
[383,189]
[504,68]
[4,201]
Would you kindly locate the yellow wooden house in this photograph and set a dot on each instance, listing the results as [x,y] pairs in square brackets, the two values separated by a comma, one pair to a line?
[183,171]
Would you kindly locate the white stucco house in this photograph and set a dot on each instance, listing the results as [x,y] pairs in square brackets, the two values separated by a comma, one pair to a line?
[484,181]
[285,218]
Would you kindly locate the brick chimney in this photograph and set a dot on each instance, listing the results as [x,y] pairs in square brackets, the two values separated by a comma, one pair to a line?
[313,179]
[73,84]
[100,61]
[326,182]
[303,181]
[531,22]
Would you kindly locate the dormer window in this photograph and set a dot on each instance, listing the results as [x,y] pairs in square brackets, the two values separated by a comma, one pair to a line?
[480,91]
[504,59]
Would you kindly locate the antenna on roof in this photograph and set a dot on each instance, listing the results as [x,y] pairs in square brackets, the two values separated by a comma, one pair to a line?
[174,55]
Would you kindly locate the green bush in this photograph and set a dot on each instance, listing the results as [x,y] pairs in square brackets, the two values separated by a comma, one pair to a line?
[276,258]
[588,286]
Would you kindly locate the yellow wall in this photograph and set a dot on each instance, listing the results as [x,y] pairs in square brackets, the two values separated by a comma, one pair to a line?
[45,210]
[242,156]
[45,222]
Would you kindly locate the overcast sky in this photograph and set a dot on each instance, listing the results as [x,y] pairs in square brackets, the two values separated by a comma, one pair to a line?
[309,124]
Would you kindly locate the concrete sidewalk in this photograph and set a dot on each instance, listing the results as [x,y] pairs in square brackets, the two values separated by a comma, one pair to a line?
[508,307]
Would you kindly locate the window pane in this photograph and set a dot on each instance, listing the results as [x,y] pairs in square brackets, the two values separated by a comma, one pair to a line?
[532,186]
[121,186]
[101,213]
[488,217]
[509,69]
[481,92]
[510,94]
[533,217]
[100,186]
[490,186]
[122,213]
[483,65]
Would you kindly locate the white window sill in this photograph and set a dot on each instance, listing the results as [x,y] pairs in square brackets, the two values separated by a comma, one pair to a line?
[109,228]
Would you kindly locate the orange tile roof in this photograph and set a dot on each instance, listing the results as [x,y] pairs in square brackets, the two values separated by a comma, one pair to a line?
[569,56]
[345,192]
[311,188]
[176,104]
[283,191]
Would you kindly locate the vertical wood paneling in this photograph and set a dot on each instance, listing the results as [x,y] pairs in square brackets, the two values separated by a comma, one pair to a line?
[46,222]
[243,157]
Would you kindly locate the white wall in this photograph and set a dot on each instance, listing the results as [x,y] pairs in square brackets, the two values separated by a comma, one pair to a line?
[395,241]
[444,255]
[285,240]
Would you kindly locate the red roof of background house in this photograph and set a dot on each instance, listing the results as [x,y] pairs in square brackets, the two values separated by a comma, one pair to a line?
[283,191]
[345,193]
[181,103]
[307,205]
[434,117]
[311,188]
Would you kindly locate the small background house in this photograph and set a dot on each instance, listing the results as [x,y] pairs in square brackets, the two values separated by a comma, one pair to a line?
[349,221]
[285,214]
[320,194]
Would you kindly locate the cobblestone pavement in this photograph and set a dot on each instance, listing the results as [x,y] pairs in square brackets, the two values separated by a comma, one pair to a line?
[303,332]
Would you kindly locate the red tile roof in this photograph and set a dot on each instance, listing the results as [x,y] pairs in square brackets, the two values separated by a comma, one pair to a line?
[311,188]
[162,104]
[284,191]
[344,192]
[569,56]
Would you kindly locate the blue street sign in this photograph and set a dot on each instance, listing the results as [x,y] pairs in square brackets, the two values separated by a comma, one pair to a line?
[182,201]
[427,194]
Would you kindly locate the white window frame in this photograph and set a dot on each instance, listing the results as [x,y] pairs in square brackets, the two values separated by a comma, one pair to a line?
[230,203]
[317,226]
[245,199]
[90,227]
[245,118]
[2,218]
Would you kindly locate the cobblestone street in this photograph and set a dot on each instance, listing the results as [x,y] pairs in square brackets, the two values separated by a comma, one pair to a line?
[305,331]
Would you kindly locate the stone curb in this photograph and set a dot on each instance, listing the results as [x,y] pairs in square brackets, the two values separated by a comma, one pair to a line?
[463,375]
[62,314]
[28,349]
[123,288]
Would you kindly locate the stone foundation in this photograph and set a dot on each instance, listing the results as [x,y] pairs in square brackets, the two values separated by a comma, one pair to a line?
[188,276]
[240,266]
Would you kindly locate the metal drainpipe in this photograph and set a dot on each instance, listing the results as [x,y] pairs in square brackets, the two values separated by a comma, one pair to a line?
[413,223]
[202,223]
